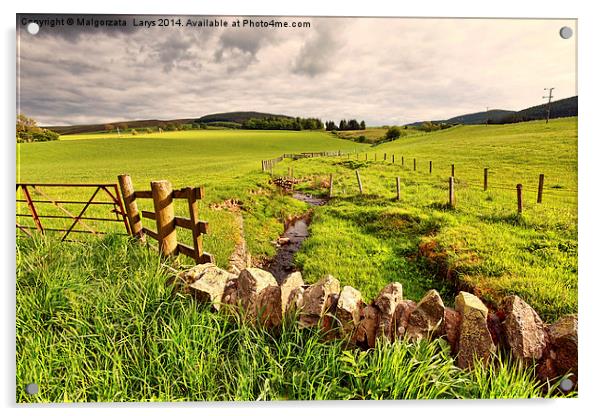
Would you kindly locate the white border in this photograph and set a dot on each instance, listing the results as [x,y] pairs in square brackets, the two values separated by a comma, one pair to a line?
[590,137]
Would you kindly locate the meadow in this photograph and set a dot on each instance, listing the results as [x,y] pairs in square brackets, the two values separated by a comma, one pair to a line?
[482,244]
[96,321]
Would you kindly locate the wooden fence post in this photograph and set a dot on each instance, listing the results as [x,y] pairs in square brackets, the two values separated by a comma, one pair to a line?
[393,158]
[485,173]
[519,198]
[374,156]
[165,217]
[402,162]
[398,188]
[430,166]
[453,171]
[452,194]
[540,188]
[193,210]
[366,156]
[131,207]
[385,157]
[359,181]
[414,163]
[330,191]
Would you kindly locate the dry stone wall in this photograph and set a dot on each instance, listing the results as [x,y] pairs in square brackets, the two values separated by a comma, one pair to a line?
[472,330]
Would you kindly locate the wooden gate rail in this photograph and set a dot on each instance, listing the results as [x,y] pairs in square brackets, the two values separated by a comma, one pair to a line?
[164,216]
[110,189]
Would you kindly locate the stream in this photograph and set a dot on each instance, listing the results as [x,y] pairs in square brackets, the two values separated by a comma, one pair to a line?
[290,241]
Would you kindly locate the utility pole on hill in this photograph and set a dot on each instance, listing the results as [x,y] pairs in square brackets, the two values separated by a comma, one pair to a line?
[549,97]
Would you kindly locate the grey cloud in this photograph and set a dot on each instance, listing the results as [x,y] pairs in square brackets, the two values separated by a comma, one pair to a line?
[318,53]
[381,70]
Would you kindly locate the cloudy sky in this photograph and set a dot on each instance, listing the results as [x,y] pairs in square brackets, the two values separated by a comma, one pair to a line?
[382,70]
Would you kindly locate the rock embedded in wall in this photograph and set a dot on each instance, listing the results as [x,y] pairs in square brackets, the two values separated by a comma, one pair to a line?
[475,342]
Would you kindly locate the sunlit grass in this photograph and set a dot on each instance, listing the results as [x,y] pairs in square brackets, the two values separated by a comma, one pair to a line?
[97,322]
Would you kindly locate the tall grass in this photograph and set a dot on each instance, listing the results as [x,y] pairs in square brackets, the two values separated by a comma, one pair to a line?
[97,322]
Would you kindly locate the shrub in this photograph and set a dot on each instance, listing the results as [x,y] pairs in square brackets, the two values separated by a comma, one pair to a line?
[393,133]
[28,131]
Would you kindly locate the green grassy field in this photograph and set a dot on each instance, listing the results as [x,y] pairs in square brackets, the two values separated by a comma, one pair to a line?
[374,134]
[482,243]
[95,320]
[226,162]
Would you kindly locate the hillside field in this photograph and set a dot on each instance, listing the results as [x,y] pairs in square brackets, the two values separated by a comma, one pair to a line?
[96,321]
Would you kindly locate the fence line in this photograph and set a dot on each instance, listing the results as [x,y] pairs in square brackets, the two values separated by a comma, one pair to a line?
[268,165]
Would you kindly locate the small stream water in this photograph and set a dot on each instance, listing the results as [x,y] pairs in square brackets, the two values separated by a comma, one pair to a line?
[290,241]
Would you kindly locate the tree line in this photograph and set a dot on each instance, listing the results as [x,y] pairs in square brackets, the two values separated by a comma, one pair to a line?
[283,123]
[345,125]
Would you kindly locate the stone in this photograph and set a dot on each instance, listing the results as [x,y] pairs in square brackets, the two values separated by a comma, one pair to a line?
[523,329]
[365,334]
[209,283]
[475,341]
[563,341]
[289,285]
[317,299]
[427,318]
[349,308]
[185,278]
[452,321]
[328,321]
[402,315]
[251,282]
[229,296]
[295,300]
[386,302]
[268,307]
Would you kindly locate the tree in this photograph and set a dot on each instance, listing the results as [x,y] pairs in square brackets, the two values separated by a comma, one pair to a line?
[393,133]
[27,131]
[353,124]
[362,125]
[343,125]
[109,127]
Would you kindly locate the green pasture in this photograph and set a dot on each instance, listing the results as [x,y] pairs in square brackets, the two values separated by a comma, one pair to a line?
[482,243]
[226,162]
[95,320]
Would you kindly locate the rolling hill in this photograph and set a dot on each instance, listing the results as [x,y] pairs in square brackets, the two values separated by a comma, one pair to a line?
[134,124]
[567,107]
[237,117]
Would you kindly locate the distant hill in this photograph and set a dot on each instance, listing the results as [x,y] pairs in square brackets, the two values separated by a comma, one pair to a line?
[473,118]
[136,124]
[566,107]
[233,119]
[479,118]
[237,117]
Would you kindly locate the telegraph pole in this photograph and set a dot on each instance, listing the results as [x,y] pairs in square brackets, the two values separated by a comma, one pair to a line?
[487,115]
[549,97]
